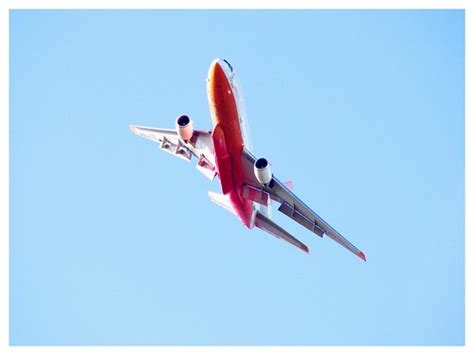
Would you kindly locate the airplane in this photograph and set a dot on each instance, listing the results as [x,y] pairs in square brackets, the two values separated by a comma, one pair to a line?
[248,185]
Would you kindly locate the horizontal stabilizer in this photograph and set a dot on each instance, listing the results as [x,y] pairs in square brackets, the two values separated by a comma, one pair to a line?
[221,200]
[274,229]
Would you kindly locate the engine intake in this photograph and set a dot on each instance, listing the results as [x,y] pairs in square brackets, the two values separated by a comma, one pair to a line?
[262,171]
[184,127]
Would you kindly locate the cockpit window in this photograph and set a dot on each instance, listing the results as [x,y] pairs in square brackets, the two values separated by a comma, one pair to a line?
[230,66]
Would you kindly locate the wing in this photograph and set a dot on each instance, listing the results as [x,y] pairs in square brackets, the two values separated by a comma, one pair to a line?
[293,207]
[200,145]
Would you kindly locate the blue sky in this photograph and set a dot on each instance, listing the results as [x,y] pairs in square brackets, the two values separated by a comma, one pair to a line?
[114,242]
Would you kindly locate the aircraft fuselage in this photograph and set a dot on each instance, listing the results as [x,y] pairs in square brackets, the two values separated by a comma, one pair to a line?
[228,140]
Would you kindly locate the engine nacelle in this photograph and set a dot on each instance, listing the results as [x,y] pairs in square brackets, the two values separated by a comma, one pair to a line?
[184,127]
[262,171]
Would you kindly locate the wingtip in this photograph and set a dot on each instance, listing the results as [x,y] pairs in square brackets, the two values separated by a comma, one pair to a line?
[132,128]
[362,256]
[305,249]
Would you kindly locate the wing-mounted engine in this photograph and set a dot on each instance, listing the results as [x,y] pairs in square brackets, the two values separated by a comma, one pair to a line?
[184,127]
[262,171]
[263,174]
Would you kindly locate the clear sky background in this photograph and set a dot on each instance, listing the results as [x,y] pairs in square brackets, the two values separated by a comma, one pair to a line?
[114,242]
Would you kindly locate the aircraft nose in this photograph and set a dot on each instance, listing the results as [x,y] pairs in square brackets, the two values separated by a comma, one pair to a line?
[213,68]
[222,65]
[215,71]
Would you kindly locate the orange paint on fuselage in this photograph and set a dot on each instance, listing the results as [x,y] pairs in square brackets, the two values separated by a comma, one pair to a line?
[225,114]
